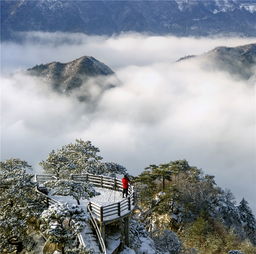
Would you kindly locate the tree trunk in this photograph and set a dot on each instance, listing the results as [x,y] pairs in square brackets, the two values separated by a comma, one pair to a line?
[163,187]
[78,202]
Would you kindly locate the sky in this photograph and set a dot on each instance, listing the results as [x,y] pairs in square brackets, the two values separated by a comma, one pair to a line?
[162,110]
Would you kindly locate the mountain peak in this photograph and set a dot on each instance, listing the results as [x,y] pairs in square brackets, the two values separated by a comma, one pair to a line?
[65,77]
[72,77]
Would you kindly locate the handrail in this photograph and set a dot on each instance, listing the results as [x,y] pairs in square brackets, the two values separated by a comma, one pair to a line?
[104,212]
[51,200]
[100,181]
[45,178]
[81,240]
[97,230]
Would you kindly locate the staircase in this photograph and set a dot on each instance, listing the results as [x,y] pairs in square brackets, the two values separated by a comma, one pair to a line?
[88,239]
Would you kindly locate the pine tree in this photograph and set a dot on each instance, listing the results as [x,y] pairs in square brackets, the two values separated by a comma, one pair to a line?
[60,223]
[72,159]
[248,220]
[20,206]
[109,169]
[80,157]
[162,172]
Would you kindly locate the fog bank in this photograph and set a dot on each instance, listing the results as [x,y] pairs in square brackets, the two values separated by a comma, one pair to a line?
[163,110]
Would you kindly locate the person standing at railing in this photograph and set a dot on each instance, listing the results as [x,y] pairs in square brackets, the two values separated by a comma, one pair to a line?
[125,182]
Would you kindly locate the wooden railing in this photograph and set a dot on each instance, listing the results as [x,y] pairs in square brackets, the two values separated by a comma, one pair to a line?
[106,212]
[98,232]
[100,181]
[40,179]
[114,210]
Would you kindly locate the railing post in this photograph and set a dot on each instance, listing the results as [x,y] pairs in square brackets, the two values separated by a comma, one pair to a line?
[115,184]
[90,205]
[87,177]
[126,230]
[101,181]
[119,209]
[129,203]
[133,198]
[101,213]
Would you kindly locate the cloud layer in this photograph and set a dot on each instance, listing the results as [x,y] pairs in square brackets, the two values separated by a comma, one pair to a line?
[163,111]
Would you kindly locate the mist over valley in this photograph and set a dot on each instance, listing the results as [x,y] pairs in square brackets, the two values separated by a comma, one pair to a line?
[201,109]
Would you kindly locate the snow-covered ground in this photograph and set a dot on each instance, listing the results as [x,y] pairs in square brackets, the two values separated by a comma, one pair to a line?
[106,197]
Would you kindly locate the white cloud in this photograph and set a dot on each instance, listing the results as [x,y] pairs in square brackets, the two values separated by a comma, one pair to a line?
[163,111]
[120,51]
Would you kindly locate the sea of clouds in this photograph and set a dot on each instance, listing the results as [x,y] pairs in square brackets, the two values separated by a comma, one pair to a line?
[162,111]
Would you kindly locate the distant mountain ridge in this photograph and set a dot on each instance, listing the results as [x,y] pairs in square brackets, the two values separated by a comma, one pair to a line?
[68,77]
[178,17]
[239,61]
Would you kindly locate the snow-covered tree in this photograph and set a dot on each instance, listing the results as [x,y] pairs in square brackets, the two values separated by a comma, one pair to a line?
[109,169]
[78,190]
[72,159]
[248,220]
[229,213]
[140,241]
[19,208]
[80,157]
[60,223]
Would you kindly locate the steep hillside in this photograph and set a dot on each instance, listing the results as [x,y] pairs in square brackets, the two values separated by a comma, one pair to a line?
[179,17]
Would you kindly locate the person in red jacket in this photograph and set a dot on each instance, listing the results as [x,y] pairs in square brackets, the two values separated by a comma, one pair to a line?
[125,182]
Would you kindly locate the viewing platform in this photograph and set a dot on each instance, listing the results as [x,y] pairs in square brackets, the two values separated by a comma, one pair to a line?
[108,211]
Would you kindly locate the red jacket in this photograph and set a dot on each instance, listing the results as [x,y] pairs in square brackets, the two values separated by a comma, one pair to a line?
[125,182]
